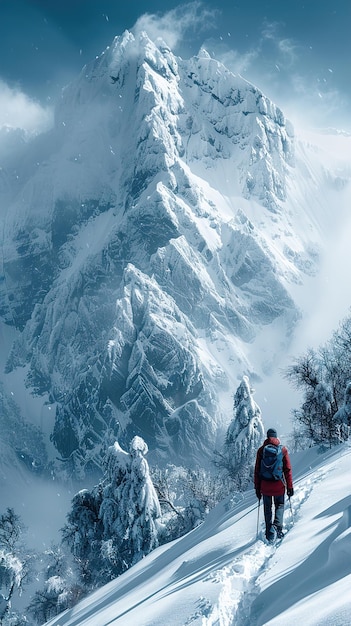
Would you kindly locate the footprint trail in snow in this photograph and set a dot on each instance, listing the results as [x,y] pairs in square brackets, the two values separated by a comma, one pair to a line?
[239,580]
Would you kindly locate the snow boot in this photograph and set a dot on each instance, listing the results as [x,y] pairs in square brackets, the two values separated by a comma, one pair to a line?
[271,535]
[279,531]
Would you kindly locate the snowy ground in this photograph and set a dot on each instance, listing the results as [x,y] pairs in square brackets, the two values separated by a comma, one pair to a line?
[221,574]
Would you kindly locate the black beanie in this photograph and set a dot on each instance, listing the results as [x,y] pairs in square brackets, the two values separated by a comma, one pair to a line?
[271,432]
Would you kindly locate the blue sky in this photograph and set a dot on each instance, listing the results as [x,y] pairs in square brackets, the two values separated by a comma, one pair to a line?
[298,53]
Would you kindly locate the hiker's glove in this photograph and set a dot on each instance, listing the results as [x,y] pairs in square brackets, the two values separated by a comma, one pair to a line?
[258,494]
[290,492]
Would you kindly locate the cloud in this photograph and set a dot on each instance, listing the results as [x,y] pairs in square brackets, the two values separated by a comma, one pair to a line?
[271,54]
[288,73]
[286,48]
[308,101]
[17,110]
[175,25]
[236,62]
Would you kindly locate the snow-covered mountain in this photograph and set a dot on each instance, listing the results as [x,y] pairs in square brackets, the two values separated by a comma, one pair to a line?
[222,574]
[153,247]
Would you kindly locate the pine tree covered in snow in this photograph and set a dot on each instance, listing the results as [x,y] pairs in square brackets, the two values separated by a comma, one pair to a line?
[83,534]
[245,433]
[115,524]
[139,506]
[130,506]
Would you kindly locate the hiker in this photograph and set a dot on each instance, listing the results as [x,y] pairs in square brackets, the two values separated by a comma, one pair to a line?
[272,476]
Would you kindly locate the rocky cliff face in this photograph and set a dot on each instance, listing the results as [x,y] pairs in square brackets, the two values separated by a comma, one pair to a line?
[150,242]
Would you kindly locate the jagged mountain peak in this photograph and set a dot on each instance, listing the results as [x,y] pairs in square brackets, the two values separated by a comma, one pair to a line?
[108,73]
[186,100]
[150,250]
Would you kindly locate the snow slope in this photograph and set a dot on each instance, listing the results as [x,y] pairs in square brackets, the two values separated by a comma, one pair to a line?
[220,574]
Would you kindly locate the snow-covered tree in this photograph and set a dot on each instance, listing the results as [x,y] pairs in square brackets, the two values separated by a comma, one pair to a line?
[15,562]
[59,590]
[342,418]
[315,374]
[11,529]
[11,574]
[139,504]
[130,507]
[322,398]
[115,524]
[83,534]
[244,435]
[321,376]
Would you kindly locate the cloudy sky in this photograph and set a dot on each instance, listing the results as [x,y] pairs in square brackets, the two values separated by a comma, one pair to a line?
[297,52]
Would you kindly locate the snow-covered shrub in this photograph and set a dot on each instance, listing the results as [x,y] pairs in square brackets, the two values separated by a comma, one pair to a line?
[186,496]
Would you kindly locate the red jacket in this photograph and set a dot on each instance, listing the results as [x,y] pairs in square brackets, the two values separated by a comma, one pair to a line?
[273,487]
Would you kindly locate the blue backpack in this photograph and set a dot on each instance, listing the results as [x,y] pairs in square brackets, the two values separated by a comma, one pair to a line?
[272,462]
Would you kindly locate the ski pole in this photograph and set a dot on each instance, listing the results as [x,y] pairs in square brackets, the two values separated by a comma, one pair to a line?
[291,511]
[258,516]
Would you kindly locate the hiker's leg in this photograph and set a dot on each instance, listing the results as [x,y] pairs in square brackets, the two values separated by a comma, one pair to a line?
[278,512]
[267,508]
